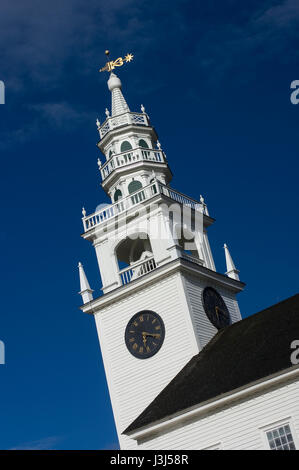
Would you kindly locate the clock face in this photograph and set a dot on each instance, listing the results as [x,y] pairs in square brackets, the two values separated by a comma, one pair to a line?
[145,334]
[215,308]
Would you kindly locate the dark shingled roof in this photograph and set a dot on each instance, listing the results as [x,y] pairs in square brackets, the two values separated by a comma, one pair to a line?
[240,354]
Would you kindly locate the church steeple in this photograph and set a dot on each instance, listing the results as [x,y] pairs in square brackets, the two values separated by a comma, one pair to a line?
[157,270]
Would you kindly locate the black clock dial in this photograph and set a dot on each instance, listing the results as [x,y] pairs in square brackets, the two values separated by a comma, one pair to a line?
[145,334]
[215,308]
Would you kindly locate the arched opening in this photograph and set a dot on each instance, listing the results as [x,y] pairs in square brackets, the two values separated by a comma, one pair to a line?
[186,242]
[134,186]
[134,257]
[117,195]
[125,146]
[143,143]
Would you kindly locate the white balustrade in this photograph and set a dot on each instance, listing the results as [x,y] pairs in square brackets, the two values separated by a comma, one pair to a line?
[121,120]
[138,269]
[127,158]
[138,197]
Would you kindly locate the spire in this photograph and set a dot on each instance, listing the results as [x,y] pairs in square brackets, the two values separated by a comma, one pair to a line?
[119,104]
[85,290]
[231,270]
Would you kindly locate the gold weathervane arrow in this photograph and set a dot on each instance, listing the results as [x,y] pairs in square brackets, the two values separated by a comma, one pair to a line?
[116,63]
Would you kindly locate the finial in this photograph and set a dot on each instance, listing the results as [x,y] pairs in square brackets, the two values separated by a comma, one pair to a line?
[85,290]
[107,112]
[204,206]
[158,145]
[99,163]
[98,123]
[231,270]
[142,108]
[83,212]
[116,63]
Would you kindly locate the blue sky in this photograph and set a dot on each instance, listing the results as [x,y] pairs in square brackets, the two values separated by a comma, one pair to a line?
[215,78]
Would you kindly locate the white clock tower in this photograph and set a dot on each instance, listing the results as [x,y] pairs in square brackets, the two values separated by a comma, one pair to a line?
[155,262]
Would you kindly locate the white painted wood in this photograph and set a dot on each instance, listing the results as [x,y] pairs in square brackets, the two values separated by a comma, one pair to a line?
[194,287]
[238,426]
[134,383]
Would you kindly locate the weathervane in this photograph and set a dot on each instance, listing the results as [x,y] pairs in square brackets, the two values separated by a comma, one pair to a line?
[116,63]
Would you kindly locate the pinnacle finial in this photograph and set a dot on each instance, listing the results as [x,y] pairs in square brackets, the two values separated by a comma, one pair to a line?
[158,145]
[85,290]
[142,108]
[83,211]
[99,163]
[107,112]
[231,270]
[98,123]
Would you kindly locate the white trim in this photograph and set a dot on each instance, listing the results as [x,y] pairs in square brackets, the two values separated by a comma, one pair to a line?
[162,271]
[274,425]
[178,419]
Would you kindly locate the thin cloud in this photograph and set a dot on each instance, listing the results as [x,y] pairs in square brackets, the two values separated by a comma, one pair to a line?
[47,443]
[238,48]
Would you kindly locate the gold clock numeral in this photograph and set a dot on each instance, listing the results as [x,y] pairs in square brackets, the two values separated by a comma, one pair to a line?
[158,327]
[135,346]
[141,349]
[135,323]
[132,331]
[141,318]
[148,349]
[155,344]
[158,336]
[154,320]
[131,340]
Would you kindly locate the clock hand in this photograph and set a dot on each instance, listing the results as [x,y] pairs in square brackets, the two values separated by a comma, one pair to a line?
[144,333]
[144,339]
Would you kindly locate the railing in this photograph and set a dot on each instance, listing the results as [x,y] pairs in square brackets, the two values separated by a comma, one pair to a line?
[121,120]
[126,158]
[180,197]
[138,269]
[141,195]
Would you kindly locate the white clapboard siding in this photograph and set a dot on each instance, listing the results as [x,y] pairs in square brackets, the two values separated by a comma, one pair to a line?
[134,383]
[237,427]
[194,287]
